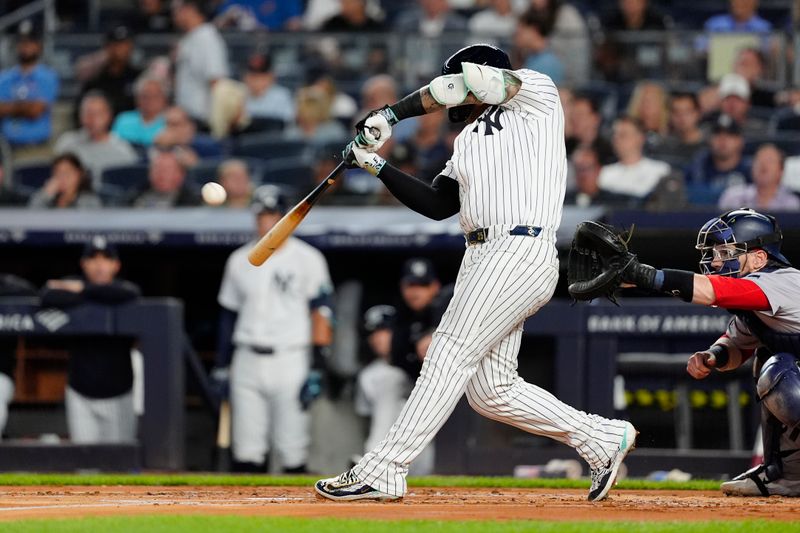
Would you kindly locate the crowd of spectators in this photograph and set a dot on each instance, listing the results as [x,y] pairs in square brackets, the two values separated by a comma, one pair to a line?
[147,130]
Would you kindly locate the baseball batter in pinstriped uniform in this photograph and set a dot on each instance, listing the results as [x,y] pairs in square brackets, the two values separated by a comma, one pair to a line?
[506,180]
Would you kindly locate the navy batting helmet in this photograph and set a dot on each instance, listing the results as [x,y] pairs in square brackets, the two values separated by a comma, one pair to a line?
[378,317]
[737,232]
[480,54]
[269,198]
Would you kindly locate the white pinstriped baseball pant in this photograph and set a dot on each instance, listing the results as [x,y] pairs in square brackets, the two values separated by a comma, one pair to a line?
[474,350]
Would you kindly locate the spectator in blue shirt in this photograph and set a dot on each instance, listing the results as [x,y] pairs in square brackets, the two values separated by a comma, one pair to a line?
[27,93]
[249,15]
[141,125]
[742,17]
[533,46]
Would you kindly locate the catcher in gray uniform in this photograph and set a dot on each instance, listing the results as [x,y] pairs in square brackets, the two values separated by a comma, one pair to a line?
[744,271]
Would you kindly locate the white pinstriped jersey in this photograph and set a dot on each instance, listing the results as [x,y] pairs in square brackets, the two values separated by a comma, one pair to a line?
[511,163]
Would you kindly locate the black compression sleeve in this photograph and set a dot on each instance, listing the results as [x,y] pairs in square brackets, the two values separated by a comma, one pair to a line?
[225,347]
[721,355]
[437,201]
[410,106]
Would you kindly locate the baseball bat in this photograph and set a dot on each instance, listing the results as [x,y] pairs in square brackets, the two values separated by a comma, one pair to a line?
[224,437]
[286,225]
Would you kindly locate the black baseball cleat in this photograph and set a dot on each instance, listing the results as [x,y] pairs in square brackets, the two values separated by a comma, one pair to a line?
[347,487]
[604,478]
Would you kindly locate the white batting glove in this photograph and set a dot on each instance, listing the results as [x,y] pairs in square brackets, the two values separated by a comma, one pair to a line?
[356,156]
[374,133]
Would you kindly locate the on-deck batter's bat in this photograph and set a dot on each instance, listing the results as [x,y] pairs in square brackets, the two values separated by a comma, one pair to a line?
[286,225]
[224,437]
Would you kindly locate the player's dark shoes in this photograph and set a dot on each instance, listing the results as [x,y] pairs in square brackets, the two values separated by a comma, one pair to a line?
[755,483]
[604,478]
[347,486]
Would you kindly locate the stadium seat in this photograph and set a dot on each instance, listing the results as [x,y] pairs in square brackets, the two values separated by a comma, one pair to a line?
[268,146]
[31,176]
[116,183]
[294,172]
[789,143]
[265,125]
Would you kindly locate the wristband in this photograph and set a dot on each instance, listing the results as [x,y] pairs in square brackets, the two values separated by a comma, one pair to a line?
[410,106]
[319,356]
[679,283]
[720,353]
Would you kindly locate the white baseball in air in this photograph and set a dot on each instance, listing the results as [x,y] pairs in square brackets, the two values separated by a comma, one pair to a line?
[213,193]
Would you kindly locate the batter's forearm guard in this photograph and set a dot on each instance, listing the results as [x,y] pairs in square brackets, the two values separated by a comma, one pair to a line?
[410,106]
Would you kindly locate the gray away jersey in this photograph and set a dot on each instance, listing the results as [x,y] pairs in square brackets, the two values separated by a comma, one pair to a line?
[782,288]
[511,163]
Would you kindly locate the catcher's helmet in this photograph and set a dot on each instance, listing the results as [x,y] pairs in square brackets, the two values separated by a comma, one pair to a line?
[480,54]
[744,230]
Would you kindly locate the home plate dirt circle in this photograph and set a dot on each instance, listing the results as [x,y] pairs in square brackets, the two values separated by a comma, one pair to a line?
[421,503]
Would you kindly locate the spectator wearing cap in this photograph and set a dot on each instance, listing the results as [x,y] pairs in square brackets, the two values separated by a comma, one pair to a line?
[734,95]
[201,59]
[68,186]
[353,17]
[381,388]
[634,174]
[722,164]
[249,15]
[167,184]
[118,74]
[532,46]
[94,143]
[266,99]
[141,125]
[99,396]
[766,192]
[27,94]
[234,176]
[274,337]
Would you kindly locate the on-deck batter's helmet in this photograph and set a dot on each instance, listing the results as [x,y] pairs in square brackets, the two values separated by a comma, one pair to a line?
[744,230]
[269,198]
[480,54]
[378,317]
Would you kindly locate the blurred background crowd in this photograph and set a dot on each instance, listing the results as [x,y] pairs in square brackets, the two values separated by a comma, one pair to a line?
[137,103]
[670,105]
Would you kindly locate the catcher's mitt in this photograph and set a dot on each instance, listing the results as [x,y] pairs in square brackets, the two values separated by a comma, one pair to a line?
[597,259]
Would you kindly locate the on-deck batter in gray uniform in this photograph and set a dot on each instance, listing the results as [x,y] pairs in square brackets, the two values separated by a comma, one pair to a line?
[506,179]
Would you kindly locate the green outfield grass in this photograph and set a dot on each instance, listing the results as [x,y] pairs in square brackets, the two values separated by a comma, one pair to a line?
[300,481]
[196,524]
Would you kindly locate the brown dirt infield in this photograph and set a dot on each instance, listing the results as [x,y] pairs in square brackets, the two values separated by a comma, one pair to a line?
[421,503]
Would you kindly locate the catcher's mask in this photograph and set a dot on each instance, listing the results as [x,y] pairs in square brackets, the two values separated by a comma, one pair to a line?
[480,54]
[735,233]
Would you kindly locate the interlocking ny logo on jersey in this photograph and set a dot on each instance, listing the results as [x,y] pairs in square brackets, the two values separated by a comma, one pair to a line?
[490,121]
[283,282]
